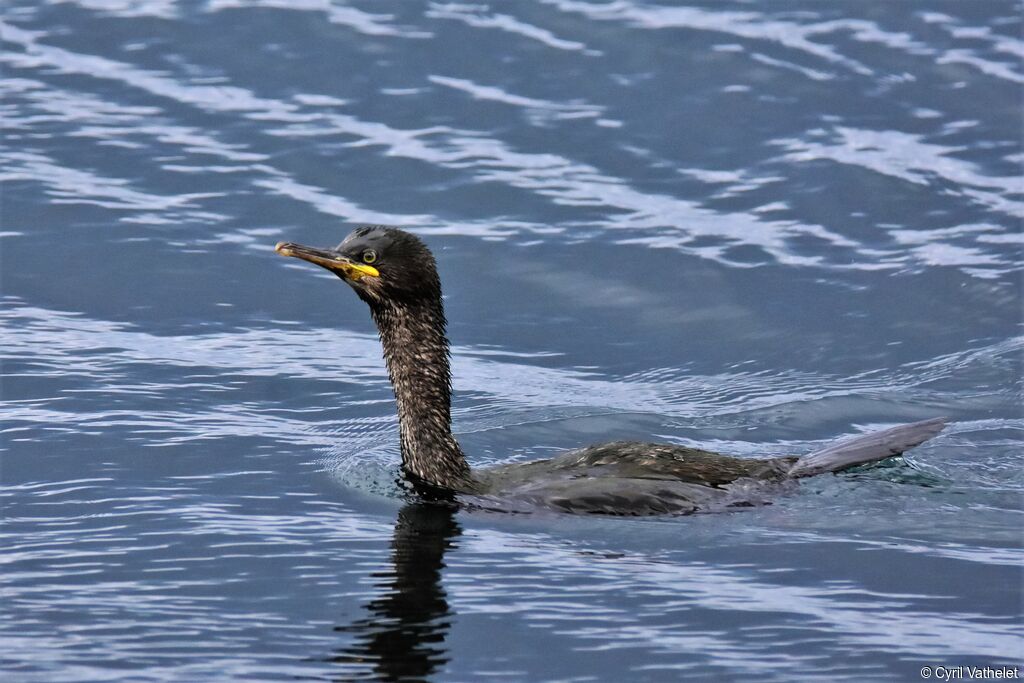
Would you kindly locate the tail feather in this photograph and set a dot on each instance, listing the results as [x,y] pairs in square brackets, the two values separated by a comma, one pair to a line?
[866,448]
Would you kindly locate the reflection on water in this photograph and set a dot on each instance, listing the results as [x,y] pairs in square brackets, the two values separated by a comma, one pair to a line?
[402,637]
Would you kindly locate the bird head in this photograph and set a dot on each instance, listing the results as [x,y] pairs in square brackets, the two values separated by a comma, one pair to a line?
[383,265]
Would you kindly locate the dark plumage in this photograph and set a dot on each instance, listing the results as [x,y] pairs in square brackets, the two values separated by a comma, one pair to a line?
[395,274]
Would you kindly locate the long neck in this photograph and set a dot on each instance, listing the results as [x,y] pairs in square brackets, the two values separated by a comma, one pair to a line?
[416,351]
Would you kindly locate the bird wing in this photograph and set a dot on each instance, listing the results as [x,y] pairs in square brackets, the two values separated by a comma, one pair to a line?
[631,478]
[669,461]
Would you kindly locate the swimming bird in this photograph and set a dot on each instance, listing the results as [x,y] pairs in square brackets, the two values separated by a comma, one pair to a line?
[395,273]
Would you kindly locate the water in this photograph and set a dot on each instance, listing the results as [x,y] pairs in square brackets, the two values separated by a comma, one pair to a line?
[754,226]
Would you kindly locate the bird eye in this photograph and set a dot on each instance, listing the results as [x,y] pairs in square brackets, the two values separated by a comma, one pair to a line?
[369,256]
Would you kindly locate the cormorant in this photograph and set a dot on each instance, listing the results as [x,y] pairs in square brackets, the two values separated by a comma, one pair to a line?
[395,273]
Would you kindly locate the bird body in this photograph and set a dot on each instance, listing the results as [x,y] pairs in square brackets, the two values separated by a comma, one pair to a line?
[634,478]
[396,275]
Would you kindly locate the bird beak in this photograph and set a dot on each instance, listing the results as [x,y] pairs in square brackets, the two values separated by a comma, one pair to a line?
[331,260]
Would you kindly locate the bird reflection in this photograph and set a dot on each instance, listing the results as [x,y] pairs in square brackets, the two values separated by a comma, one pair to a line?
[402,638]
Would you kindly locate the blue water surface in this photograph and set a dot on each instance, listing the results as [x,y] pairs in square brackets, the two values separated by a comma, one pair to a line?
[752,226]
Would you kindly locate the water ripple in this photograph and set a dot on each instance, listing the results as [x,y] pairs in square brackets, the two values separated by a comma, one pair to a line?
[653,219]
